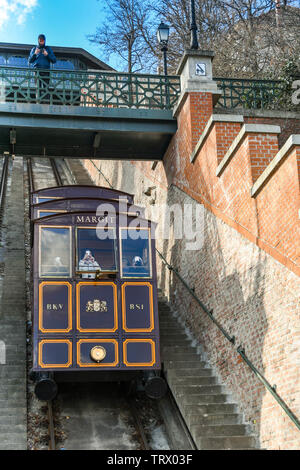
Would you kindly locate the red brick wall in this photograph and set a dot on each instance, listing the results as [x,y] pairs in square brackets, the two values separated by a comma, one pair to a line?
[288,125]
[225,133]
[248,268]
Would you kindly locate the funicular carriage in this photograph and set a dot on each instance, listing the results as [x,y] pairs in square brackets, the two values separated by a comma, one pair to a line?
[95,313]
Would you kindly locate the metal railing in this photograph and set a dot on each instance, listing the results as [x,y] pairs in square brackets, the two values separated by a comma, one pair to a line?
[88,88]
[240,350]
[127,90]
[251,94]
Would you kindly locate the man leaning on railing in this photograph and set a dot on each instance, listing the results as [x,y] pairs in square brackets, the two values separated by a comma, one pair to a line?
[41,57]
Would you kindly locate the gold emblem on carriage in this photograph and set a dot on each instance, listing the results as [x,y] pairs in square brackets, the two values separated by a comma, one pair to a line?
[96,306]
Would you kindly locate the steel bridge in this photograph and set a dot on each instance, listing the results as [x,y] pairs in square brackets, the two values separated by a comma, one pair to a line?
[107,115]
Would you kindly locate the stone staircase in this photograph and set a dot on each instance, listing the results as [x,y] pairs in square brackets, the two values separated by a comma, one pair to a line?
[210,415]
[13,400]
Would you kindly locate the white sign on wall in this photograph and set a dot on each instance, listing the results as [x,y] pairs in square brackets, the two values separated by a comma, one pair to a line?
[201,70]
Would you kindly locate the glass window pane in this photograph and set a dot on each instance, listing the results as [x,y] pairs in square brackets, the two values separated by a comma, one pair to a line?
[2,60]
[136,255]
[64,64]
[17,61]
[93,253]
[55,252]
[44,199]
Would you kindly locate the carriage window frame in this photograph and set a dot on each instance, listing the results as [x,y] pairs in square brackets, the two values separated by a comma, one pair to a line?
[49,198]
[149,253]
[70,273]
[115,250]
[52,212]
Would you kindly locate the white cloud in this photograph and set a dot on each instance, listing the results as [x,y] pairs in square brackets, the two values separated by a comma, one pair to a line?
[17,9]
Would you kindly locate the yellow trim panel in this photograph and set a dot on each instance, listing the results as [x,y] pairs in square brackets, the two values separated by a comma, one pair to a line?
[41,286]
[93,364]
[55,366]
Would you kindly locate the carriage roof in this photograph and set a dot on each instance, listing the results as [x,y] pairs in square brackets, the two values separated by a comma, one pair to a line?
[80,191]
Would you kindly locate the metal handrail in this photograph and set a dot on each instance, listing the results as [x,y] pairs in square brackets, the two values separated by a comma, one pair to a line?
[127,90]
[88,88]
[240,350]
[250,93]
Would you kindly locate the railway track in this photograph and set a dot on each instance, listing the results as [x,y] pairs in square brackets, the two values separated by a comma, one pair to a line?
[4,173]
[141,436]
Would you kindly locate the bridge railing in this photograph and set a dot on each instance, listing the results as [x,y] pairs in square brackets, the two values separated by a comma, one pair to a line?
[250,94]
[124,90]
[88,88]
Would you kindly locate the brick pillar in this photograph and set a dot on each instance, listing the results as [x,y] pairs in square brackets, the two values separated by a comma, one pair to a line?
[262,150]
[198,92]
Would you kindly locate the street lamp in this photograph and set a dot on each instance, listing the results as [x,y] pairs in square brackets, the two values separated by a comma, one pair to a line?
[194,29]
[163,38]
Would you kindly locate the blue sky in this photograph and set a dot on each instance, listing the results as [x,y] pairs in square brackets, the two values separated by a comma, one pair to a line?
[65,22]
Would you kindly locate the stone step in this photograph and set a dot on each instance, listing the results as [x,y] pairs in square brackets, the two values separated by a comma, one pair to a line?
[226,443]
[169,329]
[13,446]
[15,360]
[12,395]
[195,372]
[14,429]
[206,408]
[201,399]
[174,342]
[213,408]
[173,334]
[182,349]
[11,341]
[197,380]
[225,430]
[192,365]
[214,419]
[13,381]
[11,371]
[164,330]
[19,418]
[187,357]
[198,389]
[13,412]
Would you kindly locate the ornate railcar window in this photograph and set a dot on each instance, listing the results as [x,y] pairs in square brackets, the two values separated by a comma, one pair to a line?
[95,251]
[135,253]
[55,252]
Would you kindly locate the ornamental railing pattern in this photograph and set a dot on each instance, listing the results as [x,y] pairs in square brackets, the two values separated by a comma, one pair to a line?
[88,89]
[124,90]
[251,94]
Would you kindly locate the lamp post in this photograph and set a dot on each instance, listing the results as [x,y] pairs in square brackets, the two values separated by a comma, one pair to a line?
[163,38]
[194,29]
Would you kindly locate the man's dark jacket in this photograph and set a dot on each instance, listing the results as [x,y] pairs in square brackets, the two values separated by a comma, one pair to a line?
[40,61]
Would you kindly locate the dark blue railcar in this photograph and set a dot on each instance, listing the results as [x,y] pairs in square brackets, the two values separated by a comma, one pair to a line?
[95,312]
